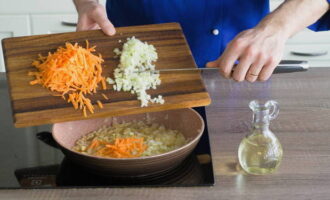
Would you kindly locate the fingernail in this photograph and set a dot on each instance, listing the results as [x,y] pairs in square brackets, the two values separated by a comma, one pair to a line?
[113,31]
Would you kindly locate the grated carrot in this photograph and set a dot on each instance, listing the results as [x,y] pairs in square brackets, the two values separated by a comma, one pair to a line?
[71,71]
[84,111]
[104,85]
[93,144]
[105,96]
[100,104]
[121,148]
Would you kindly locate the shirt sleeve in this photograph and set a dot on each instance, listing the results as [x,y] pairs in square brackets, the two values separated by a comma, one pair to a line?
[323,24]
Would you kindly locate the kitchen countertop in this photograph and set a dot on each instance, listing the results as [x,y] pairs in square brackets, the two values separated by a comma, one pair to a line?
[303,127]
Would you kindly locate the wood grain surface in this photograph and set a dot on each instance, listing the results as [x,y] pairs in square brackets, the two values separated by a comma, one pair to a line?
[34,105]
[302,127]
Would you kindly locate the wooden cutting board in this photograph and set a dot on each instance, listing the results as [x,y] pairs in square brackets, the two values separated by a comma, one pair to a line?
[34,105]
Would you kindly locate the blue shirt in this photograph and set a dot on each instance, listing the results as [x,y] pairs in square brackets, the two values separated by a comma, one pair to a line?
[201,20]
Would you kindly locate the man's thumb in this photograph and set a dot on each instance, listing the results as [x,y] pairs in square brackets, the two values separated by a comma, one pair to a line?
[106,26]
[212,64]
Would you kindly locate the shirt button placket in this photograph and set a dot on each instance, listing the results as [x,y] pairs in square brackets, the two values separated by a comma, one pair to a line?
[215,31]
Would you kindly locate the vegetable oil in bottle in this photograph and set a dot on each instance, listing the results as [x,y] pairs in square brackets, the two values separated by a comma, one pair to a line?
[260,152]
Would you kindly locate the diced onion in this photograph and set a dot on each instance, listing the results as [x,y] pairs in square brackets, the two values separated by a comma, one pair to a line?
[136,71]
[157,137]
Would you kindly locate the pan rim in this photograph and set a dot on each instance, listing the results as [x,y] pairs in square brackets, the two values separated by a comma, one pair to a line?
[184,147]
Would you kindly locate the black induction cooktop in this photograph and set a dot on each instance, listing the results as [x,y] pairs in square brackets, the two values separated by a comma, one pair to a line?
[30,160]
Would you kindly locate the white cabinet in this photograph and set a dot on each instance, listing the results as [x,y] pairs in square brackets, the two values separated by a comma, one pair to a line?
[26,17]
[22,25]
[36,6]
[307,41]
[44,24]
[274,4]
[33,17]
[10,26]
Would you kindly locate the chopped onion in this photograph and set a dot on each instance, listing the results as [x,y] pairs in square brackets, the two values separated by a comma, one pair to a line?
[136,71]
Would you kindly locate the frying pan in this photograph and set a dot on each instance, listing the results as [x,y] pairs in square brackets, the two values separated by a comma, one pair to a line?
[188,121]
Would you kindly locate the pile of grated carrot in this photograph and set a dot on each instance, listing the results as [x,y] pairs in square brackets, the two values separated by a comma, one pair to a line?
[121,148]
[73,71]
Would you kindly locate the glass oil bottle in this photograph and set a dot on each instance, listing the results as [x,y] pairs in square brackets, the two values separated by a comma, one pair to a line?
[260,152]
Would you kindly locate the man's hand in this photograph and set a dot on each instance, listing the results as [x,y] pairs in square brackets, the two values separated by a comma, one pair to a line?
[92,15]
[259,50]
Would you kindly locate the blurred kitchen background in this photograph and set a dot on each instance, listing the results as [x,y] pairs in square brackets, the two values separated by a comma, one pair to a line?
[32,17]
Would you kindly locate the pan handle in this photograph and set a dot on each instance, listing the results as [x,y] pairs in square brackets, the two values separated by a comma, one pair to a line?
[47,138]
